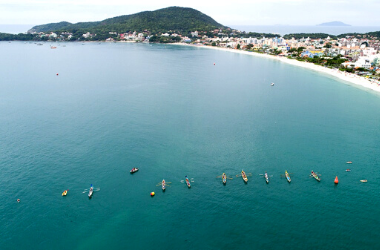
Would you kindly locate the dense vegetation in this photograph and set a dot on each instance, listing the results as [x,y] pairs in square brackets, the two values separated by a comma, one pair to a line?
[176,19]
[360,35]
[19,37]
[49,27]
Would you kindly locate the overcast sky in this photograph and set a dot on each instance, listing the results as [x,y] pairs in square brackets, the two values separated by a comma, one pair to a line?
[226,12]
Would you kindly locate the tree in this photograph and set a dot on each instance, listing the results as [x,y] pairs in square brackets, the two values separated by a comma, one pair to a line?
[238,46]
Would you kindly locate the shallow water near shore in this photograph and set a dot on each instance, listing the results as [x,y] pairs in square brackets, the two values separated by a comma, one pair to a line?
[171,112]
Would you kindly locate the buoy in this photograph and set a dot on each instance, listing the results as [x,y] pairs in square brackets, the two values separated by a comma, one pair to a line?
[18,200]
[336,180]
[152,194]
[57,73]
[214,63]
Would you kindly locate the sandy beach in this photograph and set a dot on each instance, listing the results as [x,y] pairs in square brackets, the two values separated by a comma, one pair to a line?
[352,79]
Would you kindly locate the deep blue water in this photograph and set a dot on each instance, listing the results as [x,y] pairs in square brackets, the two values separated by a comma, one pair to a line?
[171,112]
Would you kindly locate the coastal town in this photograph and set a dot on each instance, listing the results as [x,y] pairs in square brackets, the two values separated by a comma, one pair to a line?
[350,54]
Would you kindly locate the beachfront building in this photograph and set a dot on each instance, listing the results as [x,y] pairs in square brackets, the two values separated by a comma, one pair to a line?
[312,53]
[363,62]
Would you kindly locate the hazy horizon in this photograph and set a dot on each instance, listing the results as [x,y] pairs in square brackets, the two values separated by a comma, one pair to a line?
[240,12]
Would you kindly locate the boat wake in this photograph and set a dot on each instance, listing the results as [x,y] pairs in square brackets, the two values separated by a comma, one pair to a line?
[87,189]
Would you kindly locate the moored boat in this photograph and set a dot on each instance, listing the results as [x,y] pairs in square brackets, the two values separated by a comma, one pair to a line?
[363,180]
[348,170]
[65,192]
[244,176]
[187,182]
[91,191]
[313,174]
[349,162]
[287,176]
[134,170]
[224,178]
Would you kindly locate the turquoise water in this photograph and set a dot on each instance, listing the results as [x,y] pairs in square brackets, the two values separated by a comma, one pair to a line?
[171,112]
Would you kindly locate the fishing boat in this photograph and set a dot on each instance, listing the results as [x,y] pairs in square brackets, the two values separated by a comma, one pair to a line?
[187,182]
[134,170]
[244,176]
[91,191]
[287,176]
[266,177]
[163,185]
[315,175]
[224,178]
[65,192]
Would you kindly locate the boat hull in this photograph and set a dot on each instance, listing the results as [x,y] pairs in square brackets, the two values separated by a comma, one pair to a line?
[134,170]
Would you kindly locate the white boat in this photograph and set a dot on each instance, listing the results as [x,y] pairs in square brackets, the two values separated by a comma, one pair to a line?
[266,177]
[272,84]
[91,191]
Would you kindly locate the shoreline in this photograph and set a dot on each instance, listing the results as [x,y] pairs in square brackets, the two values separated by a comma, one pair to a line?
[353,79]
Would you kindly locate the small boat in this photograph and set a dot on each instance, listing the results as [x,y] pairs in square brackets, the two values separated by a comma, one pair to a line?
[336,181]
[266,177]
[224,178]
[65,192]
[313,174]
[53,47]
[349,162]
[272,84]
[187,182]
[91,191]
[134,170]
[363,180]
[287,176]
[244,176]
[163,185]
[348,170]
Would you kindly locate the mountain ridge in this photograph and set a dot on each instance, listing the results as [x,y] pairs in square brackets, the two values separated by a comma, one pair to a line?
[171,18]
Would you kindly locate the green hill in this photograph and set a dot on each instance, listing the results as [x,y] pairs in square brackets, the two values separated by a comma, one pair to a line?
[49,27]
[176,19]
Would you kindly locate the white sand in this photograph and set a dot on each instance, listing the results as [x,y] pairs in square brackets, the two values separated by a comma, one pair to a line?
[353,79]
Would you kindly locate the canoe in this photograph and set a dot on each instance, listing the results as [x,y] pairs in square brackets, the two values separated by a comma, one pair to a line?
[134,170]
[244,176]
[315,176]
[163,185]
[91,191]
[266,177]
[188,182]
[224,178]
[287,176]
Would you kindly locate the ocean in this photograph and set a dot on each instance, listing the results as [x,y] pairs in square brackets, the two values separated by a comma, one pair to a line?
[86,114]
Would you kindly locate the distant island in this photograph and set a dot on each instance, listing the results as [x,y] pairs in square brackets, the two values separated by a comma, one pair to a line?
[334,23]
